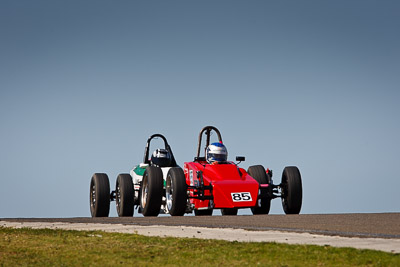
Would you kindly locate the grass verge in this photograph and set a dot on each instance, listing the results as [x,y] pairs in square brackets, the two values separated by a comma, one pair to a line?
[30,247]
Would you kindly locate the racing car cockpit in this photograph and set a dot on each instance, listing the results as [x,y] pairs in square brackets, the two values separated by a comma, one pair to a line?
[161,157]
[215,153]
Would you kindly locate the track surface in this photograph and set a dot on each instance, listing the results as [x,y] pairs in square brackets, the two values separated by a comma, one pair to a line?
[376,225]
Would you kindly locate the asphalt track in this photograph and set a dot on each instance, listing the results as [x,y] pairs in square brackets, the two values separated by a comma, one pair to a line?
[379,231]
[378,225]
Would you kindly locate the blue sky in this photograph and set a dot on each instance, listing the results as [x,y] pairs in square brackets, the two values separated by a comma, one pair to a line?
[315,84]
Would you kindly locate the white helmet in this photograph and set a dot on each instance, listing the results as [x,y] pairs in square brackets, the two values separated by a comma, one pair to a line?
[161,158]
[216,152]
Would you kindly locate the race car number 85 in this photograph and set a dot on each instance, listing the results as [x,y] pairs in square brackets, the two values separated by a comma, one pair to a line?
[237,197]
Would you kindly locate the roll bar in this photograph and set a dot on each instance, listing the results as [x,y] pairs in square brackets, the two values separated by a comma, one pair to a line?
[207,130]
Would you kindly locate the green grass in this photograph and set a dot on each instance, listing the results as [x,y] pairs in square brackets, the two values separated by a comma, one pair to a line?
[28,247]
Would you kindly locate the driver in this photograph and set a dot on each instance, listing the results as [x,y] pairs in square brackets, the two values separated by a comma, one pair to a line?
[161,158]
[216,153]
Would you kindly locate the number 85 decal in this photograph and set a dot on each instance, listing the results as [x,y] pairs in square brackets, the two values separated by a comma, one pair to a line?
[244,196]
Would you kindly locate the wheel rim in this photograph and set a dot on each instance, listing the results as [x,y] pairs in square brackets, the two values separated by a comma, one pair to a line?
[93,195]
[168,192]
[284,191]
[118,198]
[145,189]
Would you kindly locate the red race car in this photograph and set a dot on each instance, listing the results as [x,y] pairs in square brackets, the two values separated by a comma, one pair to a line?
[215,183]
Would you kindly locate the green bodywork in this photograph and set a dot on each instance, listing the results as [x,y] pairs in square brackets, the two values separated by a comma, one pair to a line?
[139,171]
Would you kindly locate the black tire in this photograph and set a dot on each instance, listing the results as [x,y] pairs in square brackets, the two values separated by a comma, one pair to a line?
[151,191]
[203,212]
[99,195]
[259,174]
[292,190]
[176,192]
[124,195]
[232,211]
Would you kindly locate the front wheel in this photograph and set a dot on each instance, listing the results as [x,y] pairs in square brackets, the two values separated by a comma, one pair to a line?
[151,191]
[292,190]
[99,195]
[175,192]
[124,195]
[259,174]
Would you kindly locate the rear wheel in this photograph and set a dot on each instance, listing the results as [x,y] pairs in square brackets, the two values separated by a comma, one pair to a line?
[124,195]
[259,174]
[151,191]
[203,212]
[175,192]
[230,211]
[99,195]
[292,190]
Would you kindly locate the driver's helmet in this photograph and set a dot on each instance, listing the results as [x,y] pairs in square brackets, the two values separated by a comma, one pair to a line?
[216,152]
[161,158]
